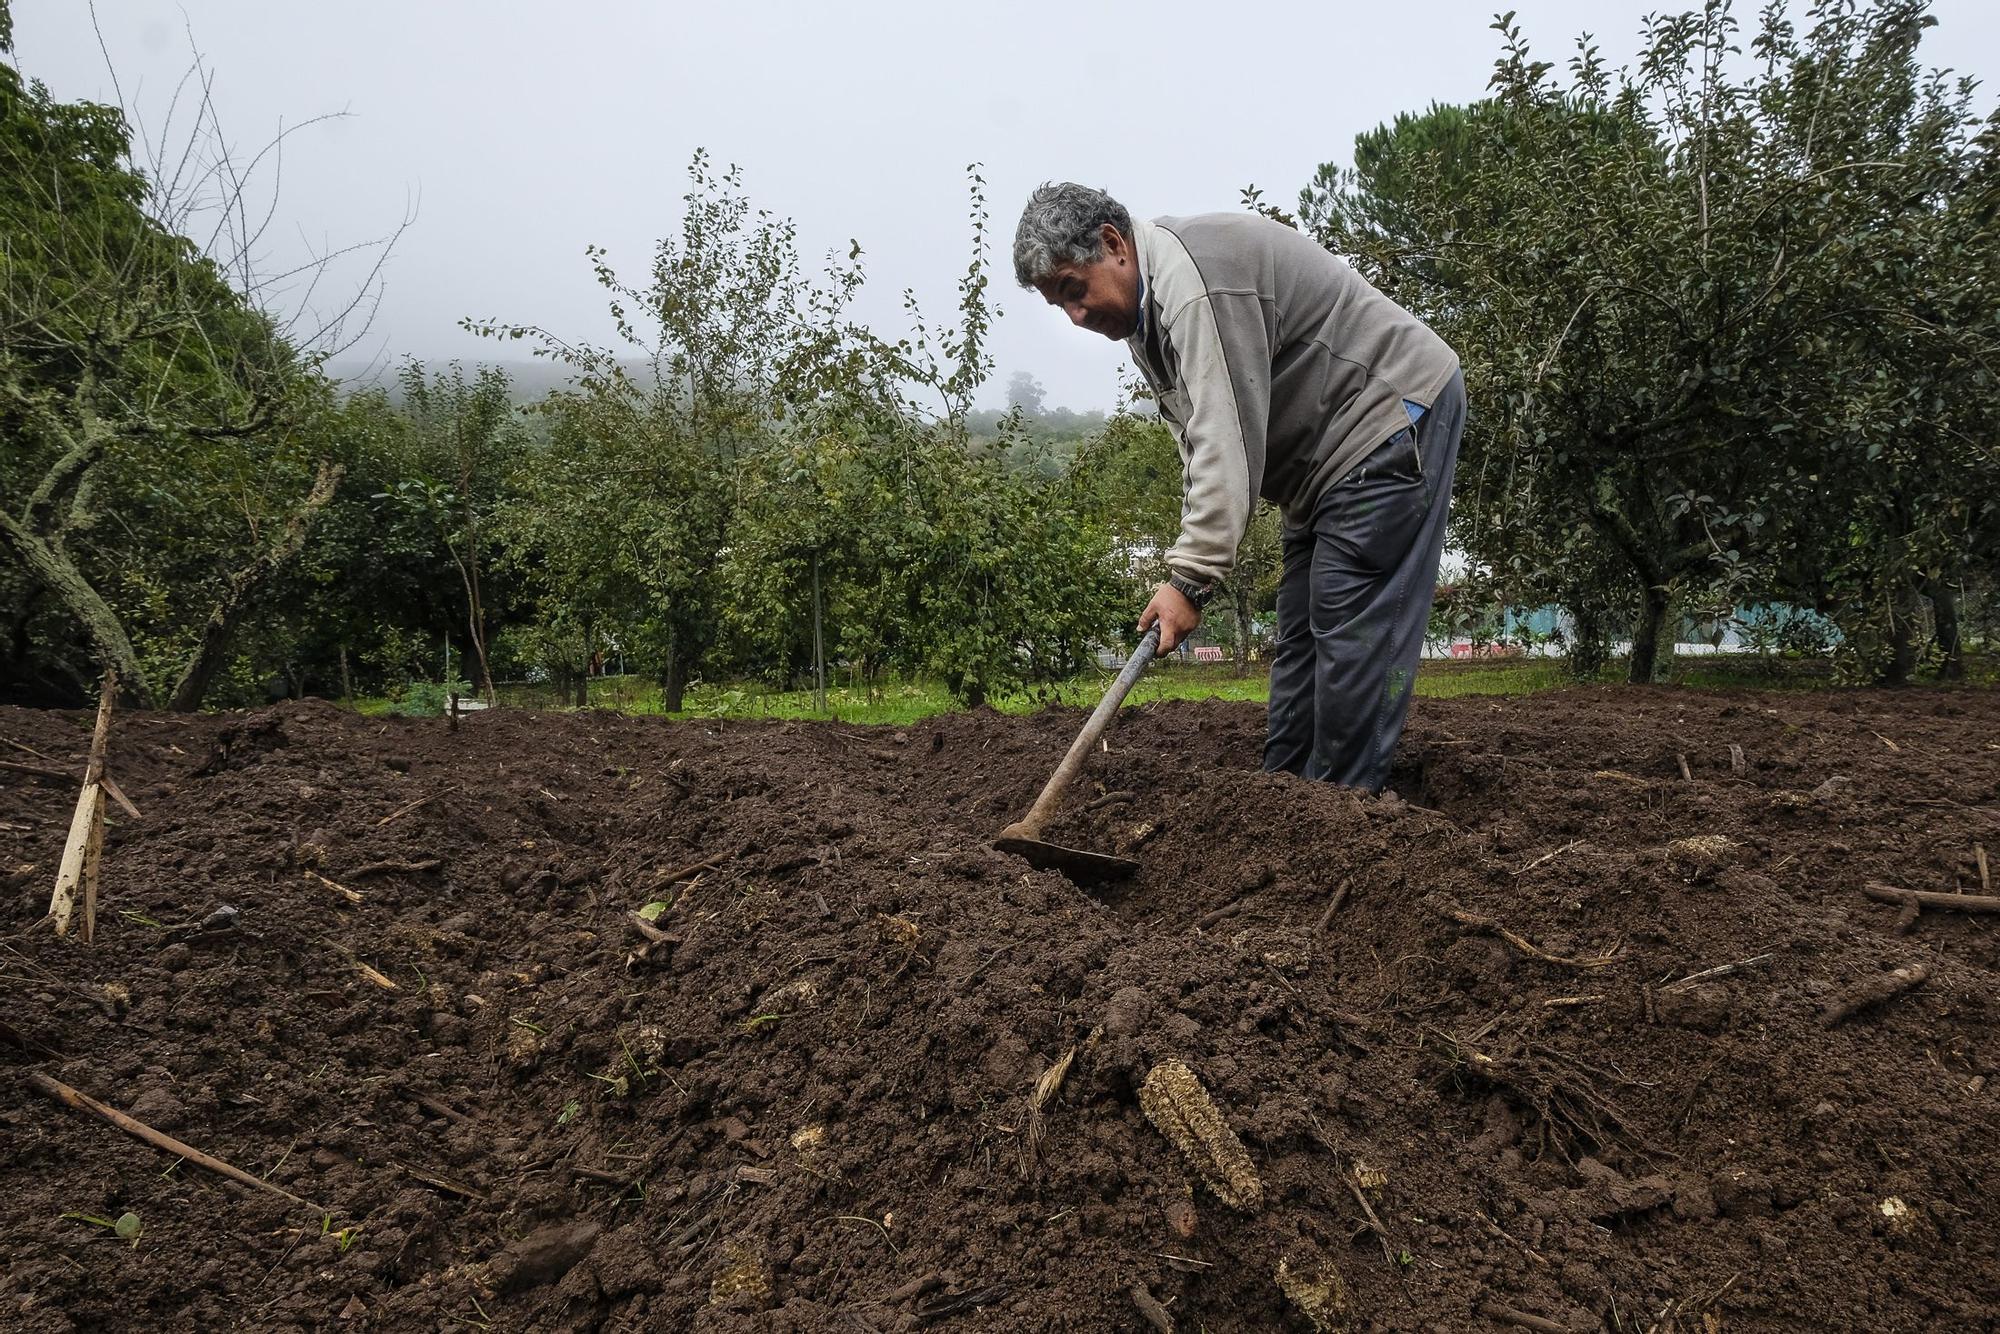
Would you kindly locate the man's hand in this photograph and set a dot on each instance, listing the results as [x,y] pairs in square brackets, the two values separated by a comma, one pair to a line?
[1177,616]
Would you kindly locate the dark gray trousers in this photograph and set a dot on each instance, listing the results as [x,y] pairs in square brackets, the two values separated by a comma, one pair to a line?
[1354,601]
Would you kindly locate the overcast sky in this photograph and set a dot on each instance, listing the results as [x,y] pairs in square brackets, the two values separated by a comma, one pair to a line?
[524,131]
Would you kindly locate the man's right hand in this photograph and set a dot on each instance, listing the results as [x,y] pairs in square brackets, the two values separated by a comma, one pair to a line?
[1177,617]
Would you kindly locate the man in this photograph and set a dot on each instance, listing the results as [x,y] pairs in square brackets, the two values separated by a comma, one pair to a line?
[1283,374]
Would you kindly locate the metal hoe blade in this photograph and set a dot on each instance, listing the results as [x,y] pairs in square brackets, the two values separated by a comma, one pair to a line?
[1078,864]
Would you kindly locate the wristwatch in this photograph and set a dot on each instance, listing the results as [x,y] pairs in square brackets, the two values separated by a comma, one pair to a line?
[1198,594]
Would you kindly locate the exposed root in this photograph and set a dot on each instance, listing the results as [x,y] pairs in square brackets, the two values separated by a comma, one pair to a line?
[1567,1095]
[1446,908]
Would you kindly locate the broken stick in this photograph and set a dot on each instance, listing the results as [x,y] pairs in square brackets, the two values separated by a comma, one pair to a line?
[350,895]
[1882,893]
[1480,923]
[396,868]
[85,849]
[34,771]
[83,1102]
[1875,991]
[1150,1309]
[1333,904]
[1507,1315]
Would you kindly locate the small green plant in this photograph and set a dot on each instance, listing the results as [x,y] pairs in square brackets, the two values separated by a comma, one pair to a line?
[569,1112]
[126,1227]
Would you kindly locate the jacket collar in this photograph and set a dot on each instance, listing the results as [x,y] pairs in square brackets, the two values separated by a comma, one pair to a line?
[1142,246]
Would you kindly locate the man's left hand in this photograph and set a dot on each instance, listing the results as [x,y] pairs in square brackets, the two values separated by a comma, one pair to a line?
[1177,616]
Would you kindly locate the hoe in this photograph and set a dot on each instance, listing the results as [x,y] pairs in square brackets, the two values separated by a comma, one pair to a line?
[1024,838]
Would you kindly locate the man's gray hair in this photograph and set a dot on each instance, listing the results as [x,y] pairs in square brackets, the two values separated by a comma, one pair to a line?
[1061,225]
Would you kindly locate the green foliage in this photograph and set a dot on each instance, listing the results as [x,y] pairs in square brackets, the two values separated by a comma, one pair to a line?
[783,486]
[1731,338]
[166,453]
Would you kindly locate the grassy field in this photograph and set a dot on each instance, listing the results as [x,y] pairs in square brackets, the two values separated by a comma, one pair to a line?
[907,701]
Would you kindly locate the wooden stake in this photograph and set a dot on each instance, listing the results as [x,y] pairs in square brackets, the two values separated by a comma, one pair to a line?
[86,828]
[1985,877]
[1687,775]
[83,1102]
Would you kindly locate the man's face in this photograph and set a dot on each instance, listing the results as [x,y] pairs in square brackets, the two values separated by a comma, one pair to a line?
[1103,295]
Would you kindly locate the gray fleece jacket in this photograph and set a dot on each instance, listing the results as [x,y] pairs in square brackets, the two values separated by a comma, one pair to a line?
[1277,366]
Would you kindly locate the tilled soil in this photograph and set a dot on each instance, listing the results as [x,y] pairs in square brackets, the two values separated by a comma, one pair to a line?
[1554,1037]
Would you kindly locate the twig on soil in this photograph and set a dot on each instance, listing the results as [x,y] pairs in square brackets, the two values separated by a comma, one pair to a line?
[15,1037]
[1548,857]
[1931,899]
[29,750]
[692,869]
[437,1108]
[1214,915]
[83,1102]
[1513,1241]
[1110,799]
[1333,904]
[34,771]
[1907,918]
[350,895]
[380,979]
[1507,1315]
[1875,991]
[1717,971]
[863,1218]
[409,806]
[396,867]
[1567,1002]
[1482,923]
[954,1302]
[1374,1223]
[916,1287]
[444,1183]
[1885,741]
[1150,1309]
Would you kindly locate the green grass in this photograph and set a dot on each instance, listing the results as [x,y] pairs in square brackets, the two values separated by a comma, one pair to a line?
[899,702]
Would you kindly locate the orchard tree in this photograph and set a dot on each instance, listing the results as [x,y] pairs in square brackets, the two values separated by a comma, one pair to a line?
[165,456]
[463,445]
[1694,303]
